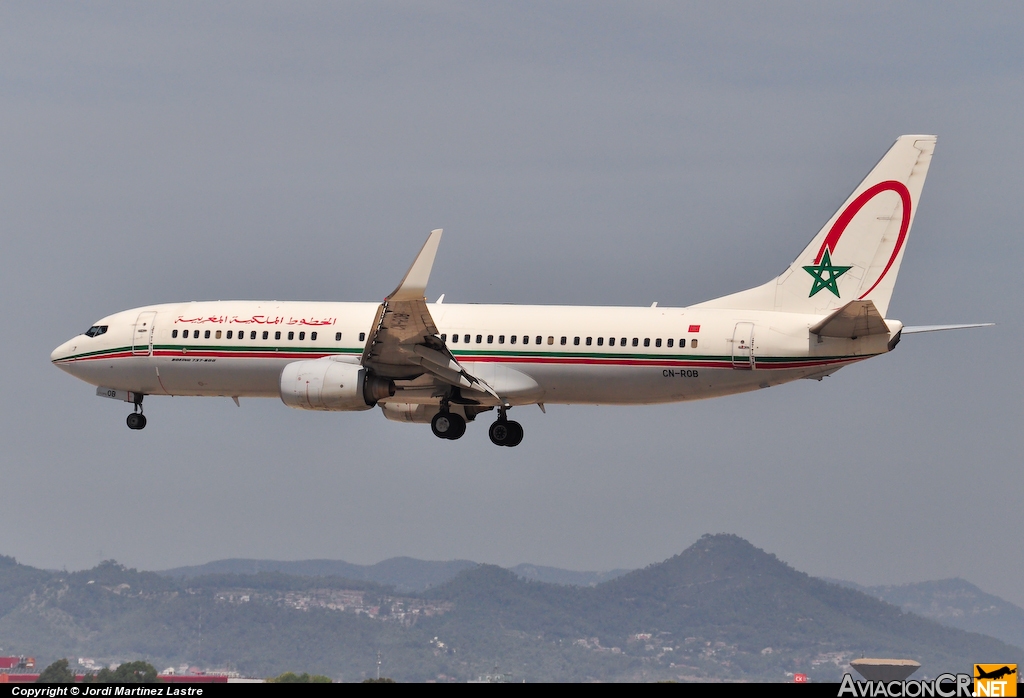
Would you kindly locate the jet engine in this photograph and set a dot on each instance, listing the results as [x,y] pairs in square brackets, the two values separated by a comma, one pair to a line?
[404,412]
[327,385]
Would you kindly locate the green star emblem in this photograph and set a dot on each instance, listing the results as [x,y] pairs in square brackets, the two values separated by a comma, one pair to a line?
[825,275]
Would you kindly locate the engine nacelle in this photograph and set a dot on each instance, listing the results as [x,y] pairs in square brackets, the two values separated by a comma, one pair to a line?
[327,385]
[405,412]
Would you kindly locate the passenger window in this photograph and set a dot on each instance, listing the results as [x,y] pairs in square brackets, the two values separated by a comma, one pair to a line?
[501,339]
[455,339]
[647,342]
[682,343]
[539,339]
[302,335]
[611,341]
[465,338]
[362,336]
[693,343]
[589,340]
[277,335]
[513,338]
[600,341]
[444,338]
[479,339]
[241,334]
[635,341]
[622,342]
[337,336]
[562,341]
[657,342]
[266,334]
[206,335]
[526,339]
[291,336]
[490,339]
[231,334]
[669,344]
[174,334]
[575,341]
[218,334]
[312,336]
[551,340]
[252,335]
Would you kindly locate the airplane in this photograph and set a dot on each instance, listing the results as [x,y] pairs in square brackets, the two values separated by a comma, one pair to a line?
[994,674]
[445,364]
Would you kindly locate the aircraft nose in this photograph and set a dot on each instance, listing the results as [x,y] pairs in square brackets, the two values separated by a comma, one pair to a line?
[63,351]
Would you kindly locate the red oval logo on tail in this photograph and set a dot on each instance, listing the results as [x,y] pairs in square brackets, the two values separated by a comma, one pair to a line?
[837,230]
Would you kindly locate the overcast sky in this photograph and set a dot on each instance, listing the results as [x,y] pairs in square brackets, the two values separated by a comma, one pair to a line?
[585,153]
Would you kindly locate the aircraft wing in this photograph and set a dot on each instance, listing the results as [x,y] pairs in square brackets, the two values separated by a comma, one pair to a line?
[403,342]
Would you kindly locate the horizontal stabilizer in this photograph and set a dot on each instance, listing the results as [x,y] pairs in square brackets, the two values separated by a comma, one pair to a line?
[918,329]
[855,319]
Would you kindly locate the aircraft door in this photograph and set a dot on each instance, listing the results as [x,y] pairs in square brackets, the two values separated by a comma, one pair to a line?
[142,338]
[743,346]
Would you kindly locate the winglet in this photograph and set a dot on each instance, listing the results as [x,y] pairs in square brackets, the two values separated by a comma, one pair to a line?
[414,285]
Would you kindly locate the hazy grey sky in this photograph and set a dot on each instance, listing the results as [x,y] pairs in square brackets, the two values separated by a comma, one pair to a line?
[587,153]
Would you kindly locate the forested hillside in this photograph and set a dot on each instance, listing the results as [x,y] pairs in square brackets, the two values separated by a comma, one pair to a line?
[721,609]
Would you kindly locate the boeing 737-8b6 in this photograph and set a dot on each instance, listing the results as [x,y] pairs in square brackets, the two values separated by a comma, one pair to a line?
[446,363]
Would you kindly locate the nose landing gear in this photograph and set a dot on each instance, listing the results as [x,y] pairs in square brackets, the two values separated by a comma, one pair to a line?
[136,420]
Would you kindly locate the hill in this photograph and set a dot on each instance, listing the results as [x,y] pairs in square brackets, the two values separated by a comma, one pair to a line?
[405,574]
[722,609]
[555,575]
[957,603]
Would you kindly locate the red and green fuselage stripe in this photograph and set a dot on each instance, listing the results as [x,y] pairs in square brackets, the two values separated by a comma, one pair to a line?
[526,357]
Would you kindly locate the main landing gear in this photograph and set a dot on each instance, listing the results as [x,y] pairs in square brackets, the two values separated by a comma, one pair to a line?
[452,425]
[136,420]
[505,432]
[448,425]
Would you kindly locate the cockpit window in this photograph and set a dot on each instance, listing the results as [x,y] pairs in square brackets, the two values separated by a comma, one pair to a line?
[95,330]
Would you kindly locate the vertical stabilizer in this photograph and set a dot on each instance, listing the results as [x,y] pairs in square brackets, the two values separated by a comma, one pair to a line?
[857,255]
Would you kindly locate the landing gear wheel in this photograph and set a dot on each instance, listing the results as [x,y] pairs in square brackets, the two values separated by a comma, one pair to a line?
[458,427]
[447,425]
[136,421]
[515,434]
[505,433]
[498,432]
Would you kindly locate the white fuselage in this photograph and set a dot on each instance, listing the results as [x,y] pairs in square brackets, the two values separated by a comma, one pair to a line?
[448,363]
[567,354]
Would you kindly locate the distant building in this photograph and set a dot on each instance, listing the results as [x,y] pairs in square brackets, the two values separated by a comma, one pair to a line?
[14,665]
